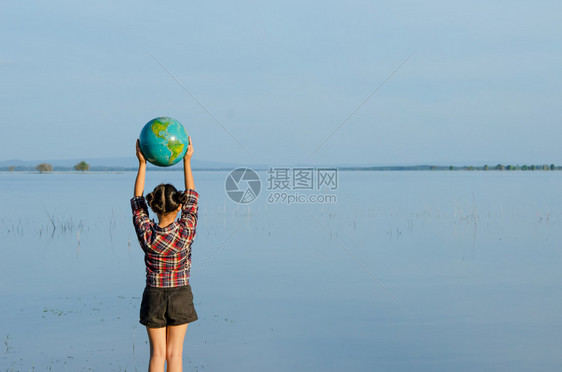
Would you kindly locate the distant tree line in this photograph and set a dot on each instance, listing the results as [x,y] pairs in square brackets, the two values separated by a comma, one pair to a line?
[46,167]
[486,167]
[502,167]
[83,166]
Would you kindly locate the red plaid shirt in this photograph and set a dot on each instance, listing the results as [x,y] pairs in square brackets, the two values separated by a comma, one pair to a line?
[167,250]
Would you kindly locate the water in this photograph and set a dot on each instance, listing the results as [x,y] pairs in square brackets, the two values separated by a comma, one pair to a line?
[431,271]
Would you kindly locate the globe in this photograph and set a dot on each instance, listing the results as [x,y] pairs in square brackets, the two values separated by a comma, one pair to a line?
[163,141]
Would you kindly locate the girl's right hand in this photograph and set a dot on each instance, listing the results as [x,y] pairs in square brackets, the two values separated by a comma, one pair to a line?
[140,156]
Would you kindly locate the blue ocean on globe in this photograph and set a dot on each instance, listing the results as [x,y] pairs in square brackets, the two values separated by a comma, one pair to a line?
[163,141]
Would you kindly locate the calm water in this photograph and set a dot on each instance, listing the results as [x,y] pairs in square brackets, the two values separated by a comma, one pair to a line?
[434,271]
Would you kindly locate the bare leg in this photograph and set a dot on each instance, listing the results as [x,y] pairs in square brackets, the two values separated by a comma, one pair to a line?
[174,347]
[157,339]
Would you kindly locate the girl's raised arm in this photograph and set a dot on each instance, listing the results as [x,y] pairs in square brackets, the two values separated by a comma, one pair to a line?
[139,182]
[188,176]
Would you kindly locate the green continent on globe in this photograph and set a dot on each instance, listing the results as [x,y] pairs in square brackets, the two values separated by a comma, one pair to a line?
[159,127]
[160,130]
[176,148]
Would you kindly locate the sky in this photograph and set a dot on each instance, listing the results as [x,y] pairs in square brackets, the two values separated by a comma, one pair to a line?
[285,82]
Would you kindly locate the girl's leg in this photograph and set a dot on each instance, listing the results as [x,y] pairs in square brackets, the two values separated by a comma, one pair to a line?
[174,347]
[157,339]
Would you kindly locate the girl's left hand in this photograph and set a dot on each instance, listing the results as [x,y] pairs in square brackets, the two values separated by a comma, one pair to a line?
[140,156]
[189,152]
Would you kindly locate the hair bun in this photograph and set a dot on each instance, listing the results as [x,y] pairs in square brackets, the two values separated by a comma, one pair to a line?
[165,199]
[181,197]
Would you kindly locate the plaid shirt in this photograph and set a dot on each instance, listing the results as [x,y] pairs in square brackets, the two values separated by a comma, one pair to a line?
[167,250]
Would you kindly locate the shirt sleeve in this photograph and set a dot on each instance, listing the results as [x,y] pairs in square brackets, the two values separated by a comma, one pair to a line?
[140,218]
[189,212]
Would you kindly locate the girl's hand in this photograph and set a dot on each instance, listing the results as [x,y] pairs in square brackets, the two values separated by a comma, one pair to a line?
[140,156]
[189,152]
[139,181]
[187,174]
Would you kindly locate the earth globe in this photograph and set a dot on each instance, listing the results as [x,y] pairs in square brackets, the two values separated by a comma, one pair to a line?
[163,141]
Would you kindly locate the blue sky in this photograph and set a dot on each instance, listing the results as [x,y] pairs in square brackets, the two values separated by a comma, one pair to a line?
[482,85]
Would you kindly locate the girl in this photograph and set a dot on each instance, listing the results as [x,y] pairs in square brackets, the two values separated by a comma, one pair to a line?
[167,301]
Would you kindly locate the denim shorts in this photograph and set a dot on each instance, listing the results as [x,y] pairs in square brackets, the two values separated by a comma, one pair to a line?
[161,307]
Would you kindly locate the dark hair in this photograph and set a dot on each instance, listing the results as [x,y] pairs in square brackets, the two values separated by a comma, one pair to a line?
[165,199]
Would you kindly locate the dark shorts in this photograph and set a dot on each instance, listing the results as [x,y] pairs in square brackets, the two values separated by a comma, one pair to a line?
[161,307]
